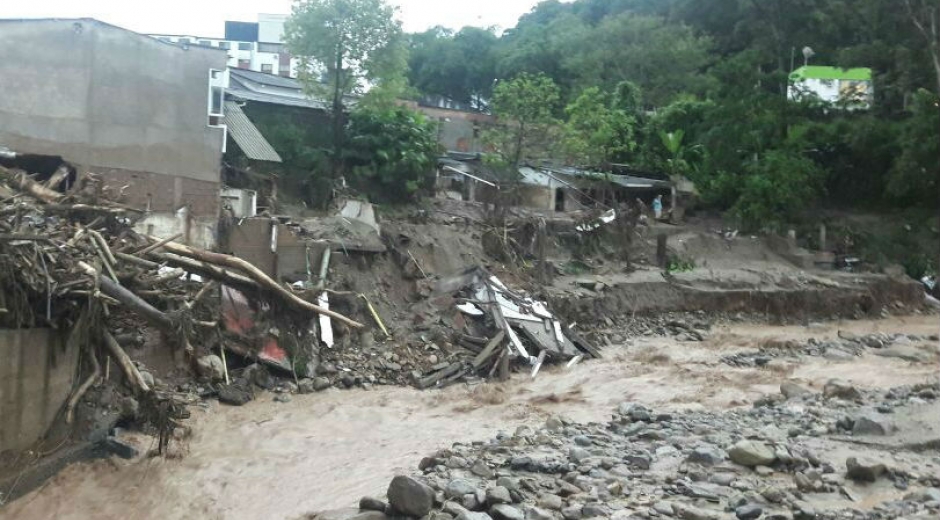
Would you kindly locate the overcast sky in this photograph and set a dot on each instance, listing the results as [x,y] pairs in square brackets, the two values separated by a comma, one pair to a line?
[207,17]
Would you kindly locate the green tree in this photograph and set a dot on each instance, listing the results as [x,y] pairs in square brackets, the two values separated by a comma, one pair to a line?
[391,154]
[776,189]
[460,66]
[598,132]
[525,108]
[915,176]
[345,45]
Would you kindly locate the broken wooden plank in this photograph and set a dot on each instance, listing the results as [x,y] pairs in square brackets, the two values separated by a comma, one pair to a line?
[432,379]
[487,351]
[538,363]
[583,344]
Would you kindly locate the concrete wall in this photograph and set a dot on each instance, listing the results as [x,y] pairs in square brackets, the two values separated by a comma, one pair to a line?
[105,98]
[458,131]
[251,240]
[37,372]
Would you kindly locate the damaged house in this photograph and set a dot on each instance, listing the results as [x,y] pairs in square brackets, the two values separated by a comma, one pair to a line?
[137,115]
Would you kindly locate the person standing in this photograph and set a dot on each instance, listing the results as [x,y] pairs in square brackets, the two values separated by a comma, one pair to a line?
[658,207]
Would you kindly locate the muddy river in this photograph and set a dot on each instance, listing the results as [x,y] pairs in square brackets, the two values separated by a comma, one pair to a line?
[282,460]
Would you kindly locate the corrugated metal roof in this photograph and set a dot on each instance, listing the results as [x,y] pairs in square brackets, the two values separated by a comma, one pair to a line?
[247,136]
[274,99]
[266,79]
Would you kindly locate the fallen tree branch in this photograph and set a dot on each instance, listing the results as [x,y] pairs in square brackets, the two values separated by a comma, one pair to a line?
[258,276]
[132,301]
[158,245]
[204,269]
[77,395]
[21,181]
[124,361]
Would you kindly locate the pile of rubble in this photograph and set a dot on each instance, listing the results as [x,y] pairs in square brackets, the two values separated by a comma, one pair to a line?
[746,464]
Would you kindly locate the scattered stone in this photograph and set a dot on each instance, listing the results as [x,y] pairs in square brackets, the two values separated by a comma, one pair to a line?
[282,398]
[457,488]
[130,408]
[305,386]
[663,508]
[863,469]
[321,383]
[506,512]
[748,512]
[751,453]
[481,470]
[498,495]
[578,454]
[924,495]
[707,455]
[535,513]
[687,512]
[572,512]
[469,515]
[791,390]
[410,497]
[554,423]
[372,504]
[549,501]
[871,425]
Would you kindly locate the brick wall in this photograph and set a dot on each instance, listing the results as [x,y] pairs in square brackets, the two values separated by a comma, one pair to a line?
[162,193]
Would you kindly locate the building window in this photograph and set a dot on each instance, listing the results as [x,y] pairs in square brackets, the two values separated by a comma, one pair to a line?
[274,48]
[244,64]
[267,68]
[225,45]
[216,92]
[205,43]
[184,41]
[244,46]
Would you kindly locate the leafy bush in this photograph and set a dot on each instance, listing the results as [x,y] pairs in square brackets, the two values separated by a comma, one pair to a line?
[777,189]
[391,153]
[914,176]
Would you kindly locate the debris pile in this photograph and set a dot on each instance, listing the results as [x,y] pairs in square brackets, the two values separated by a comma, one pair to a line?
[772,461]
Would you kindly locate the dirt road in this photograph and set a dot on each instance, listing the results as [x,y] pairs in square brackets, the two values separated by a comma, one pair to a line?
[273,460]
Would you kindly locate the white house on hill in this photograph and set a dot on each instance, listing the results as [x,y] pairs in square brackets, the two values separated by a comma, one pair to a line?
[849,88]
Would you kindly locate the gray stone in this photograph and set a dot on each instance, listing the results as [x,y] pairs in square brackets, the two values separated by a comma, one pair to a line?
[748,512]
[803,511]
[722,479]
[906,353]
[862,469]
[578,454]
[595,510]
[282,398]
[687,512]
[639,460]
[321,383]
[872,425]
[372,504]
[472,502]
[469,515]
[508,483]
[211,367]
[554,423]
[130,408]
[351,514]
[457,488]
[305,386]
[147,378]
[235,395]
[707,455]
[924,495]
[410,497]
[572,512]
[549,501]
[791,390]
[481,470]
[506,512]
[841,389]
[582,440]
[751,453]
[663,508]
[497,495]
[536,513]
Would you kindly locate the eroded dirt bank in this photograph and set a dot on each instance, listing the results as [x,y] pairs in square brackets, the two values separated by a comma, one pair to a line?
[322,451]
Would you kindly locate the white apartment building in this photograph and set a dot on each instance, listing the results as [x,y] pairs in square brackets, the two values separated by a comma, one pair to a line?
[257,46]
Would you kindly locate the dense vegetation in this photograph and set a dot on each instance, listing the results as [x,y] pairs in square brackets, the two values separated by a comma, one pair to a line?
[697,87]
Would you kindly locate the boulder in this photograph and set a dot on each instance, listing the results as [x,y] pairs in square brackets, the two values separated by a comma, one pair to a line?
[372,504]
[498,495]
[751,453]
[321,383]
[871,425]
[862,469]
[410,497]
[707,455]
[552,502]
[791,390]
[234,394]
[748,512]
[578,454]
[841,390]
[506,512]
[457,488]
[536,513]
[687,512]
[211,367]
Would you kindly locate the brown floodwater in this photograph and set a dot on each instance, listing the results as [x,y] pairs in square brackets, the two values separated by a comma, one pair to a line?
[326,450]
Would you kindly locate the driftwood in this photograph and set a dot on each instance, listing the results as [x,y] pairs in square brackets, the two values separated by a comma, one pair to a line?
[21,181]
[258,276]
[204,269]
[132,301]
[80,391]
[432,379]
[158,245]
[487,351]
[124,361]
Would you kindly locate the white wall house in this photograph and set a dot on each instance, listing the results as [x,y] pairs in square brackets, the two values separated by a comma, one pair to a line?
[257,46]
[848,88]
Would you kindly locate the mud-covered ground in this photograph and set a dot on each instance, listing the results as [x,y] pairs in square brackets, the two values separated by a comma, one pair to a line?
[322,451]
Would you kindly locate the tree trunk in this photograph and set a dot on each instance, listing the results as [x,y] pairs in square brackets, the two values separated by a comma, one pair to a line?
[338,115]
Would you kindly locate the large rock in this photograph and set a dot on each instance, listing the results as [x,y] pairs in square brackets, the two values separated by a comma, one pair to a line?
[707,455]
[862,469]
[791,390]
[372,504]
[549,501]
[470,515]
[235,395]
[841,389]
[497,495]
[578,454]
[749,512]
[872,425]
[751,453]
[535,513]
[457,488]
[211,367]
[506,512]
[410,497]
[687,512]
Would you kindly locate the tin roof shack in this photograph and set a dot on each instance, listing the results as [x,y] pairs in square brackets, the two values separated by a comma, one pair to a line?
[141,114]
[459,126]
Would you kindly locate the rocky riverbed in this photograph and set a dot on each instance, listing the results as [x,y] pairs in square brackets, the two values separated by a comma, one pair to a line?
[778,460]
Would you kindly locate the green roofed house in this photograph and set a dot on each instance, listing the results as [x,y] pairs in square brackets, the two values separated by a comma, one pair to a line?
[851,88]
